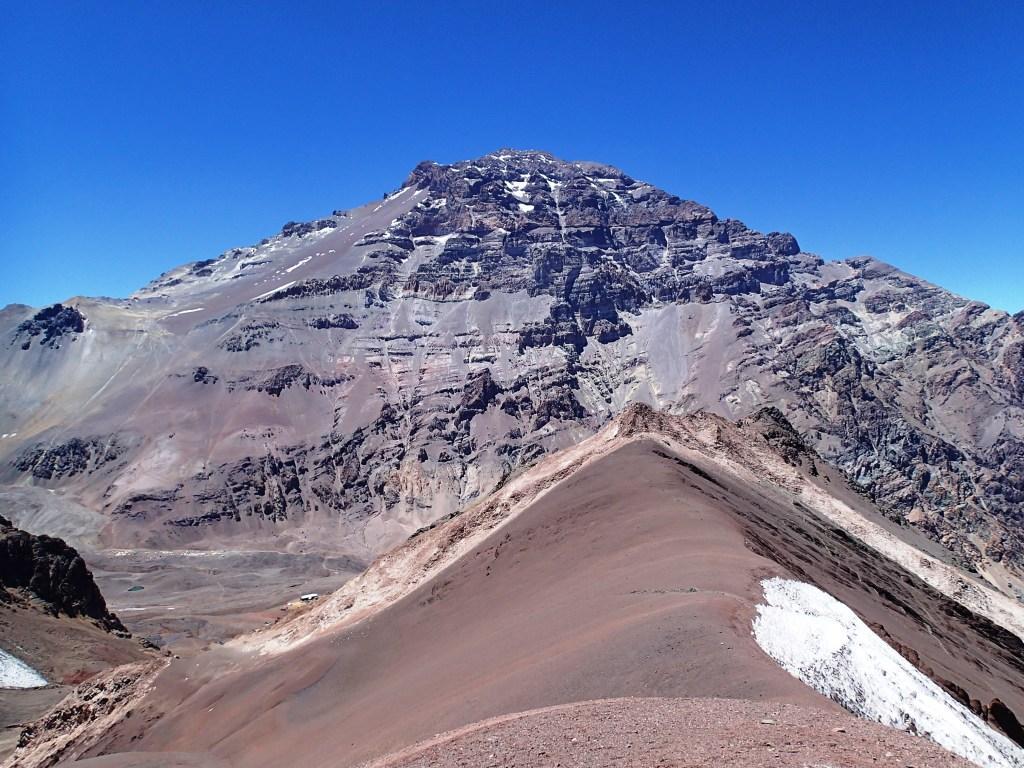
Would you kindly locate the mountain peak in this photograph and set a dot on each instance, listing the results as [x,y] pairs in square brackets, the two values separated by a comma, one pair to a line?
[512,163]
[511,154]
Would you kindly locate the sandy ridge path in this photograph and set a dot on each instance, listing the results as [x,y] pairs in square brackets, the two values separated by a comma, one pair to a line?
[672,732]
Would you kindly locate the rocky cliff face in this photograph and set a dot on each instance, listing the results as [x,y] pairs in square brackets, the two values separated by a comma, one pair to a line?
[51,573]
[357,377]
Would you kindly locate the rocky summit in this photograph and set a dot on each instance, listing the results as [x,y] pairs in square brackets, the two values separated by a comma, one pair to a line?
[353,379]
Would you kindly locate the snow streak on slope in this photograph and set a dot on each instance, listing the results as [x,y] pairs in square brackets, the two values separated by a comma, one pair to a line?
[14,673]
[822,642]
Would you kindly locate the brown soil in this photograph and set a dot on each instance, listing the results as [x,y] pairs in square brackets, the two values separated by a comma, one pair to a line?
[64,650]
[673,733]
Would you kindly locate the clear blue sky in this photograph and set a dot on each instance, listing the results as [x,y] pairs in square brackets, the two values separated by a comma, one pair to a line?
[138,136]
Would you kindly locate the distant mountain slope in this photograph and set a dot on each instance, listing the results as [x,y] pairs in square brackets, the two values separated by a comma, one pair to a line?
[352,379]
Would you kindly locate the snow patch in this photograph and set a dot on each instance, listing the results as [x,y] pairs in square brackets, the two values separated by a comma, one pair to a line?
[518,189]
[14,673]
[185,312]
[441,240]
[273,290]
[298,264]
[822,642]
[391,197]
[602,185]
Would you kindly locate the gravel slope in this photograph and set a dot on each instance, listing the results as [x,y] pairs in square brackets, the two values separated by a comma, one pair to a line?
[692,733]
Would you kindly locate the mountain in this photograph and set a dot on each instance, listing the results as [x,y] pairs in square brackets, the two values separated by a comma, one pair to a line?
[647,589]
[325,393]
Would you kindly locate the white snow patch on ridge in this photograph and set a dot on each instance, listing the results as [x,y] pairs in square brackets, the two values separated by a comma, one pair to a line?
[14,673]
[823,643]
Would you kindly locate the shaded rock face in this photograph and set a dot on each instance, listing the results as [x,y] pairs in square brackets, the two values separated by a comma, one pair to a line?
[779,433]
[52,572]
[203,375]
[264,488]
[252,335]
[406,357]
[601,244]
[340,320]
[50,326]
[478,394]
[300,229]
[277,380]
[76,456]
[1014,359]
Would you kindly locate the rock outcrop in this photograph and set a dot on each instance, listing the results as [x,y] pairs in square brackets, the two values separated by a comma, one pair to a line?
[75,456]
[49,571]
[50,325]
